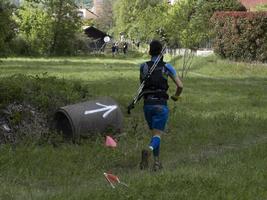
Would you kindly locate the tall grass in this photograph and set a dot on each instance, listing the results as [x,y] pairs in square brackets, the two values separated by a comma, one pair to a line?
[214,146]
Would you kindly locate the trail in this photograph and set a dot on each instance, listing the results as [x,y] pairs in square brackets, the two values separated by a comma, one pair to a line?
[212,151]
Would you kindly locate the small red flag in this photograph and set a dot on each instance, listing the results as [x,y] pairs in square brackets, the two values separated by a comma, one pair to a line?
[112,179]
[110,142]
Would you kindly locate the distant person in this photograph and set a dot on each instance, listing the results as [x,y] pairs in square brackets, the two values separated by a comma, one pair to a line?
[125,47]
[117,47]
[113,49]
[156,110]
[138,44]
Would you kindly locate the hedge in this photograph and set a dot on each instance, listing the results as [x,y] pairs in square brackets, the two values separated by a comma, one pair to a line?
[240,36]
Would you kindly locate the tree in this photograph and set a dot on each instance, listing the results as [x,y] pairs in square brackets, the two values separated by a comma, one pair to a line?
[124,16]
[188,25]
[49,26]
[7,26]
[35,25]
[139,19]
[206,8]
[66,23]
[184,30]
[151,23]
[261,7]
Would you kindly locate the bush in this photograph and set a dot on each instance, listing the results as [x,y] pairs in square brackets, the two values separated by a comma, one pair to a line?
[81,44]
[241,36]
[7,26]
[47,94]
[20,47]
[28,104]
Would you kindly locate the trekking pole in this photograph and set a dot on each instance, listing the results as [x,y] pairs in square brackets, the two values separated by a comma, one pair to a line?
[140,92]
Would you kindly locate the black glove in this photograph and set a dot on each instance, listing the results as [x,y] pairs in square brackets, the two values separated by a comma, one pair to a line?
[175,97]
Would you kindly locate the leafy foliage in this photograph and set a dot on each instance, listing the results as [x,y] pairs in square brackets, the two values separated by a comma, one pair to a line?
[261,7]
[7,26]
[124,16]
[241,35]
[182,26]
[66,23]
[45,93]
[189,20]
[35,24]
[185,24]
[49,27]
[151,24]
[139,19]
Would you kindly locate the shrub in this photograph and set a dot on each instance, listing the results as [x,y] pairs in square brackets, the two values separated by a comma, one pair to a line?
[28,104]
[7,26]
[20,47]
[81,44]
[45,93]
[241,36]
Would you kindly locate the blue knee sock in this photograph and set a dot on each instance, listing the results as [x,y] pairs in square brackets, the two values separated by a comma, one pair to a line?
[155,143]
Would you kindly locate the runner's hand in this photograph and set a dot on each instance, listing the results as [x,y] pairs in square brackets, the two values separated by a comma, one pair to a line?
[175,98]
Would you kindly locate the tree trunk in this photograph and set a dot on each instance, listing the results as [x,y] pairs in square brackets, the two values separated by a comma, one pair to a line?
[57,27]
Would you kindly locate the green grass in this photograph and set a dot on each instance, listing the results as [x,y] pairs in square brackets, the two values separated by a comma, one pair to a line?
[215,146]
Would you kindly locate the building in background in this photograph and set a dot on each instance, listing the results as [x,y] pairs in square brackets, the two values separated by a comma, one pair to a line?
[97,38]
[85,13]
[98,7]
[90,10]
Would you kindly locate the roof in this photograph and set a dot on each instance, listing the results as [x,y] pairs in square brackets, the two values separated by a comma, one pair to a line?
[252,3]
[93,32]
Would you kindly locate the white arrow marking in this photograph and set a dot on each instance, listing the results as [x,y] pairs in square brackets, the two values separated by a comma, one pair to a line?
[106,108]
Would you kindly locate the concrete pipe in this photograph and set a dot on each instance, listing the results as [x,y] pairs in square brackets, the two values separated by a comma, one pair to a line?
[86,118]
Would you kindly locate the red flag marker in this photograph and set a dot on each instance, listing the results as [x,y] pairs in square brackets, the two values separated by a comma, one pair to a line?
[112,179]
[110,142]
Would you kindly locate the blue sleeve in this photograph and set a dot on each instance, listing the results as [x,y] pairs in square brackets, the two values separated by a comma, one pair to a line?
[142,72]
[141,67]
[171,70]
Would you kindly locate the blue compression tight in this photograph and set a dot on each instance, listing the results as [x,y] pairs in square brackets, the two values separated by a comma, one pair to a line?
[155,145]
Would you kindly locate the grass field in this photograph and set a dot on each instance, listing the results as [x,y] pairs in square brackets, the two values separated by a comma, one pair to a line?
[214,148]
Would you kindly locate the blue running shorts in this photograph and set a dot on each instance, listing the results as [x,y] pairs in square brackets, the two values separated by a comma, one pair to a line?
[156,116]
